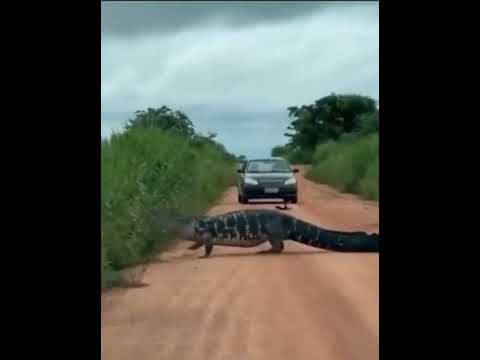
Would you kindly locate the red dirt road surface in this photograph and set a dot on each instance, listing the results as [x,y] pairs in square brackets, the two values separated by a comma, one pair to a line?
[304,304]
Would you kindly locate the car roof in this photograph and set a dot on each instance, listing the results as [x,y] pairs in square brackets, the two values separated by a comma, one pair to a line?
[267,159]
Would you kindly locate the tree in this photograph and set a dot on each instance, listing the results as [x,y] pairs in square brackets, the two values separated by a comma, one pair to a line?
[368,123]
[203,141]
[163,118]
[279,151]
[327,118]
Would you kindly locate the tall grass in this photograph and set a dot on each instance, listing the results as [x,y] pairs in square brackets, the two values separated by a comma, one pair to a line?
[350,165]
[147,171]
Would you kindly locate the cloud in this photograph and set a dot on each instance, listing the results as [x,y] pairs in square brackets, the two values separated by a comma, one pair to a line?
[126,18]
[248,73]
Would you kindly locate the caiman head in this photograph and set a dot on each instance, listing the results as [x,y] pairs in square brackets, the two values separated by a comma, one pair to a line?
[187,228]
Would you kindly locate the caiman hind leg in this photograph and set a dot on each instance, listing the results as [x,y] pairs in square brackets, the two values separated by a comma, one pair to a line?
[276,246]
[275,236]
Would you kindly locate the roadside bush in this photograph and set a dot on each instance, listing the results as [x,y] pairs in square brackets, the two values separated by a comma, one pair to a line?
[350,165]
[147,171]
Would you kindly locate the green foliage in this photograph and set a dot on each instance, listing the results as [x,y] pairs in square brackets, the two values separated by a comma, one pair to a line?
[327,119]
[202,142]
[299,156]
[146,171]
[368,186]
[350,165]
[280,151]
[368,123]
[338,134]
[347,137]
[293,155]
[162,118]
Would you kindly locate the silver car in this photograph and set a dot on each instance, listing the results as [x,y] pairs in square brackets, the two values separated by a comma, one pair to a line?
[270,178]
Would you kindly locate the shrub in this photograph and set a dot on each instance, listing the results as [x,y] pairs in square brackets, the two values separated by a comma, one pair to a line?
[145,172]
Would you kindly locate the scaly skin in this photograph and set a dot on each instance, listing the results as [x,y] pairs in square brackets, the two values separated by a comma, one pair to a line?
[248,228]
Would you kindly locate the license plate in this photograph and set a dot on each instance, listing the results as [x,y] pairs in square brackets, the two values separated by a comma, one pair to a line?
[271,190]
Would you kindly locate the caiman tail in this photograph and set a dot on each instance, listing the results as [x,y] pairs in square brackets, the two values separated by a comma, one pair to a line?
[318,237]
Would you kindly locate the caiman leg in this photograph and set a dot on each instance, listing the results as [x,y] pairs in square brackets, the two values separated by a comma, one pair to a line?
[195,246]
[277,246]
[208,241]
[276,234]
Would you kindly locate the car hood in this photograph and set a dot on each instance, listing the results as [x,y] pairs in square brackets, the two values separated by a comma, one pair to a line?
[269,176]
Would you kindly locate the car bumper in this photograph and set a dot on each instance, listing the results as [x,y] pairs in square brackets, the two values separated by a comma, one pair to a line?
[258,192]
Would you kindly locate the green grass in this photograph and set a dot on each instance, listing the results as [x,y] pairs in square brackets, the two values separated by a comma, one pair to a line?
[144,172]
[351,165]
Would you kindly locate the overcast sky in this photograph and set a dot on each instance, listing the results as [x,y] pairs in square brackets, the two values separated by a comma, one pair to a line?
[234,67]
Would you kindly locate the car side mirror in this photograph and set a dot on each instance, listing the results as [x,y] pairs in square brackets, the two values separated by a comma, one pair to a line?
[295,170]
[240,171]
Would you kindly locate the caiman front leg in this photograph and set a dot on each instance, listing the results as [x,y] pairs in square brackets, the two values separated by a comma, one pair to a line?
[208,241]
[195,246]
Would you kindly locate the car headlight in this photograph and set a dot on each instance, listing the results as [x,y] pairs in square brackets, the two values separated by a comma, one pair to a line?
[291,181]
[251,181]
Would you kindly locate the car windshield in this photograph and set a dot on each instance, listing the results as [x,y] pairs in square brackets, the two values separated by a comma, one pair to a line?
[268,166]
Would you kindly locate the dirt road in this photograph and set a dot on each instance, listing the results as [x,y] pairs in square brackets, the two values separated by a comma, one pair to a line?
[304,304]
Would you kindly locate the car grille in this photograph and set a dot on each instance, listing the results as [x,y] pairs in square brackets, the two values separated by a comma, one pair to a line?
[271,182]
